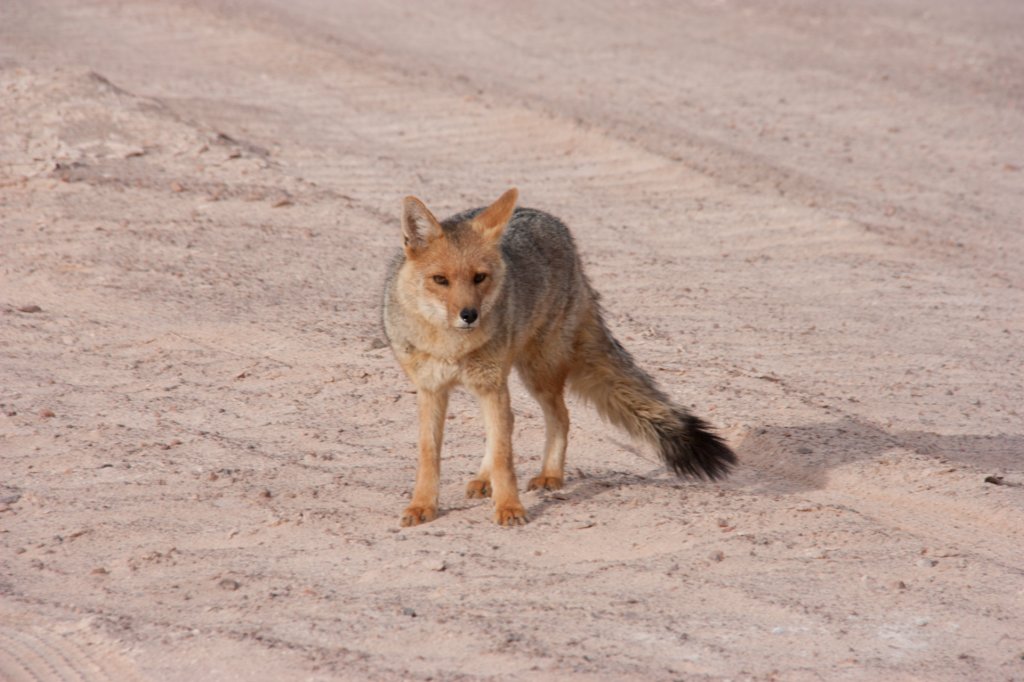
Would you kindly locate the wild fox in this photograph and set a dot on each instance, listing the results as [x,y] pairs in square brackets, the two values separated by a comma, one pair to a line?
[494,288]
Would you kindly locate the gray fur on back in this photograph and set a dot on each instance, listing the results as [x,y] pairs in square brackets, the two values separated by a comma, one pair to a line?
[544,278]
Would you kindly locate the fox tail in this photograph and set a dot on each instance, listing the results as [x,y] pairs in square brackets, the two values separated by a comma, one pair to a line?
[605,375]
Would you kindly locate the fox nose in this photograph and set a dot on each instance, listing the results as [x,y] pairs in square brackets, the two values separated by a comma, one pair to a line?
[468,315]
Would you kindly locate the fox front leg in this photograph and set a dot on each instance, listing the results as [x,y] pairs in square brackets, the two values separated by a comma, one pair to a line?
[433,406]
[497,468]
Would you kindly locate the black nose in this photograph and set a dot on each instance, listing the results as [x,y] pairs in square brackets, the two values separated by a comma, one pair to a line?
[468,315]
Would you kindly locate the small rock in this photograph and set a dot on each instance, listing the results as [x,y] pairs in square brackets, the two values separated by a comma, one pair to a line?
[378,343]
[435,565]
[100,570]
[717,555]
[229,584]
[30,309]
[406,611]
[925,562]
[898,585]
[999,480]
[46,414]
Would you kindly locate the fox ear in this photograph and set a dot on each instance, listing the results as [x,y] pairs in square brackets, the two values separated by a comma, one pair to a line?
[419,226]
[492,220]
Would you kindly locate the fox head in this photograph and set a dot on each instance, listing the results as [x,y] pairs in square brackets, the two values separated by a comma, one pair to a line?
[454,272]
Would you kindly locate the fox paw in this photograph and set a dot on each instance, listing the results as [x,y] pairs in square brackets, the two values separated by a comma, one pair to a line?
[478,488]
[545,483]
[415,515]
[510,515]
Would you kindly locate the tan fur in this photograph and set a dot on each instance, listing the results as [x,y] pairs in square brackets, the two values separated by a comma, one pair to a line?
[496,288]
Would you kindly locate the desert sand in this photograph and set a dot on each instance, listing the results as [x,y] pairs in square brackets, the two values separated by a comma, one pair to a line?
[805,219]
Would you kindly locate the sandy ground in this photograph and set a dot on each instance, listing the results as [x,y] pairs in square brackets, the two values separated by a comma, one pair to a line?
[806,221]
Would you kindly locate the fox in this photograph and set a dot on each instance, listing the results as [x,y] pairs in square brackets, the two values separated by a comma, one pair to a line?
[468,299]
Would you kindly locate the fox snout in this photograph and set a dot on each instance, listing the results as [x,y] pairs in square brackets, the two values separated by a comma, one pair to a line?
[466,297]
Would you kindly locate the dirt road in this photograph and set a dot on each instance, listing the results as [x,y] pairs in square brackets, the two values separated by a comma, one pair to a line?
[805,221]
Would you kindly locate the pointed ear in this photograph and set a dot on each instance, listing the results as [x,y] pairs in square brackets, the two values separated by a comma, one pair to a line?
[492,220]
[419,226]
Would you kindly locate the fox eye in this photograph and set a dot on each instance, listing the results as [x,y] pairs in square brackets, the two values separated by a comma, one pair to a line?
[441,279]
[479,277]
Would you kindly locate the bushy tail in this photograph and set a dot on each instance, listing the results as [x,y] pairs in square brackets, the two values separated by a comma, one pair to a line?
[604,374]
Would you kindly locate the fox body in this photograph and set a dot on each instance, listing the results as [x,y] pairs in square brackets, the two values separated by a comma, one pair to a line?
[496,288]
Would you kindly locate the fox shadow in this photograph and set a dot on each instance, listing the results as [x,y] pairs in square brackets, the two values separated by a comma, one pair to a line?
[786,459]
[582,487]
[792,459]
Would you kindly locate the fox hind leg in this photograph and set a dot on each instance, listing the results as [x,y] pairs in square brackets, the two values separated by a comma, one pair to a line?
[480,485]
[547,385]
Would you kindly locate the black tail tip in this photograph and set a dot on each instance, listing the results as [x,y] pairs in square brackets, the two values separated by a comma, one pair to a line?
[690,448]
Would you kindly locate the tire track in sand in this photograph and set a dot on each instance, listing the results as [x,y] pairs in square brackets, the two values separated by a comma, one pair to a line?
[32,654]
